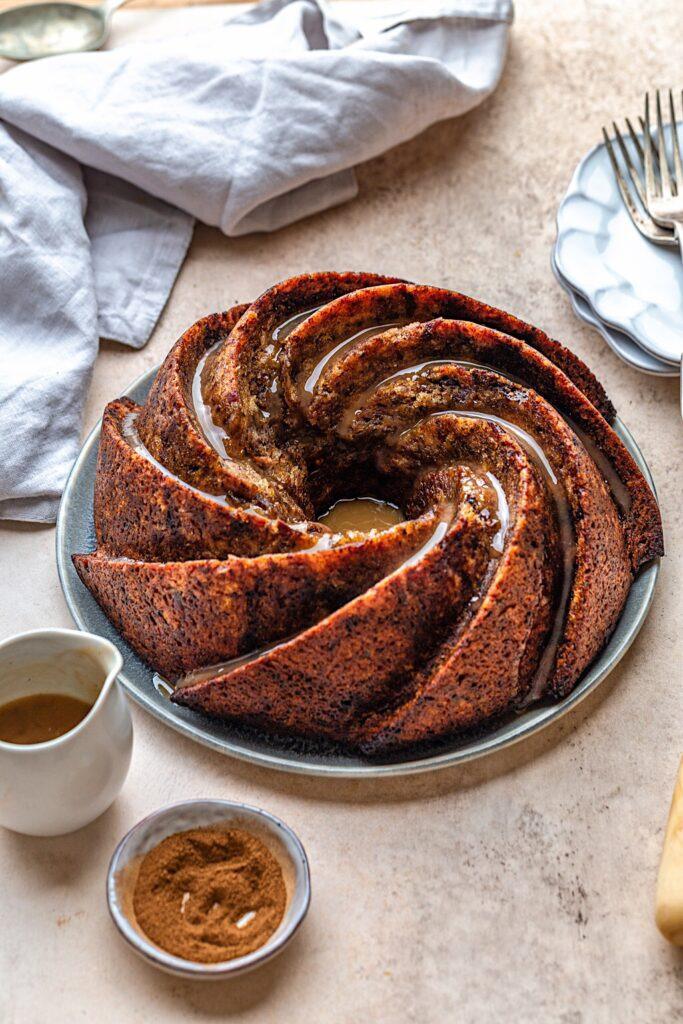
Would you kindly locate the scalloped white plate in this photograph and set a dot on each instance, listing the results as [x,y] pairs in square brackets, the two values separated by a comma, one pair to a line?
[630,283]
[620,343]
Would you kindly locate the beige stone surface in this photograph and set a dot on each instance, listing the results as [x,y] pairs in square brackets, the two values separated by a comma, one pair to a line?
[138,4]
[519,888]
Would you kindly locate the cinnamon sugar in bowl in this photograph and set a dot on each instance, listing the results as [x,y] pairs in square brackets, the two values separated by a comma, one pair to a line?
[283,851]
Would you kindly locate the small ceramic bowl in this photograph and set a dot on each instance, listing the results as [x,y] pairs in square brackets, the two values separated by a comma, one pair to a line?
[278,837]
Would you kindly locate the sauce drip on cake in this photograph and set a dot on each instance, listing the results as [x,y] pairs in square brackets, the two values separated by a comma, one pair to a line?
[369,512]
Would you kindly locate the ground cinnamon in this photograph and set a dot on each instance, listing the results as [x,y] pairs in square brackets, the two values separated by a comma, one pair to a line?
[209,894]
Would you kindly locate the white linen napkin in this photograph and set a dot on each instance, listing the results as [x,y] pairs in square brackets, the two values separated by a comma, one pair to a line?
[106,159]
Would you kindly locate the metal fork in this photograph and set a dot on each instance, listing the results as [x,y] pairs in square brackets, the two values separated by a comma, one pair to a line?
[663,190]
[654,197]
[664,203]
[633,196]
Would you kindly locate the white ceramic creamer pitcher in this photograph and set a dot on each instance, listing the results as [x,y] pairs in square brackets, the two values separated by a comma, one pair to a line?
[64,783]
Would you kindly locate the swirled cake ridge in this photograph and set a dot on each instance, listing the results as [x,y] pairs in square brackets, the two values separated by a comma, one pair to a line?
[516,519]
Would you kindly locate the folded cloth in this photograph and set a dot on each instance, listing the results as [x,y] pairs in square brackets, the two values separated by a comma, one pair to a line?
[106,159]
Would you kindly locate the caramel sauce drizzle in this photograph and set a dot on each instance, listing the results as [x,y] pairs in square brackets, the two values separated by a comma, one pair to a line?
[273,353]
[443,517]
[306,388]
[558,495]
[213,432]
[361,515]
[130,433]
[218,438]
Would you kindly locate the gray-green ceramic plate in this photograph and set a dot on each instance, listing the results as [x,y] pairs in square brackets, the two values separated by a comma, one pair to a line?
[75,533]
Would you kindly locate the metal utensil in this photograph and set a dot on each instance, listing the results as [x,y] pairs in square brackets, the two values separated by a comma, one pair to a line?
[664,190]
[636,204]
[654,199]
[44,30]
[664,204]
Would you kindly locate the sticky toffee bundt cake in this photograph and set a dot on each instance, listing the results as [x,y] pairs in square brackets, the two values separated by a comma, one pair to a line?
[511,517]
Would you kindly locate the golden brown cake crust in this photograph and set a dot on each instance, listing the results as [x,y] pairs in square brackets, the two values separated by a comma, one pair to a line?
[145,513]
[184,614]
[525,516]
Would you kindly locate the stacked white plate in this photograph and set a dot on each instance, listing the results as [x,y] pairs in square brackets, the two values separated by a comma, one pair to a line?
[629,289]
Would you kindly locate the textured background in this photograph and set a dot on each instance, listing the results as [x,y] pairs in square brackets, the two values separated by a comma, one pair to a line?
[519,888]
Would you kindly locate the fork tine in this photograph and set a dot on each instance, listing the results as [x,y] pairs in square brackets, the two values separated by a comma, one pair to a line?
[621,181]
[639,215]
[661,145]
[651,189]
[634,138]
[678,163]
[632,172]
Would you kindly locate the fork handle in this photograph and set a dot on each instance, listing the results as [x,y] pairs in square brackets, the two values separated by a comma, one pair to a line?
[678,231]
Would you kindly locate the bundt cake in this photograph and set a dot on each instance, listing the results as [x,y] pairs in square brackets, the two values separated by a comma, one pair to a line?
[505,518]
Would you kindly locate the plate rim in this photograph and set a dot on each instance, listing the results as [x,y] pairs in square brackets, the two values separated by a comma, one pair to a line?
[574,190]
[592,319]
[468,751]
